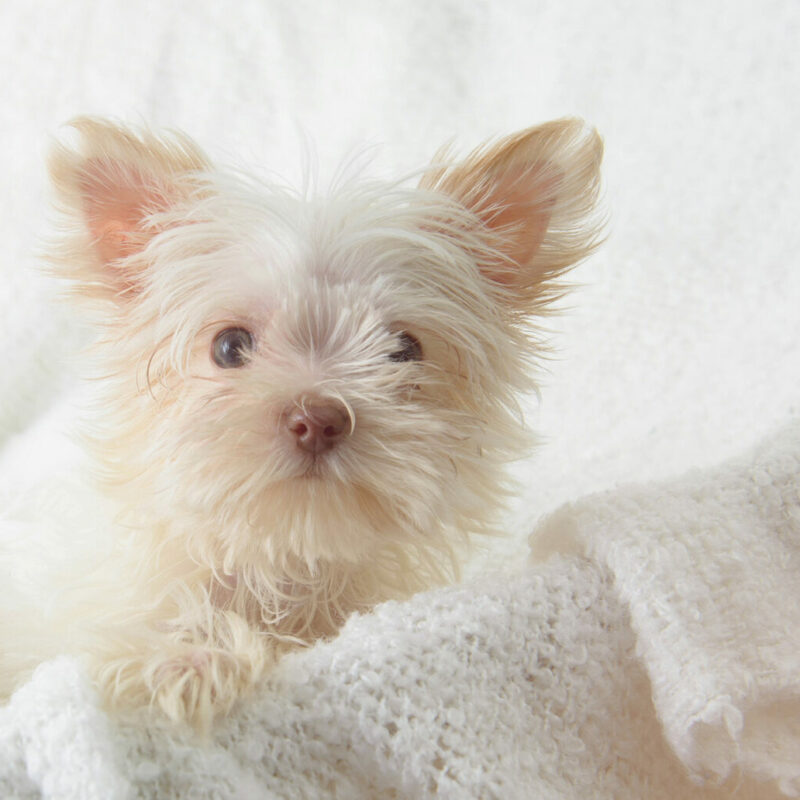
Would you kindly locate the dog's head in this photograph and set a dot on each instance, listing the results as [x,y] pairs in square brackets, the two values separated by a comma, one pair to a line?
[332,377]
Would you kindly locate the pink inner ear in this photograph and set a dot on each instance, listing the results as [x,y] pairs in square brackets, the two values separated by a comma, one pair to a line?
[522,219]
[114,210]
[114,235]
[527,222]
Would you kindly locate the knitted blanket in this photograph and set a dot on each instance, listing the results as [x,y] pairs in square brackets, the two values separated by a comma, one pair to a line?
[652,654]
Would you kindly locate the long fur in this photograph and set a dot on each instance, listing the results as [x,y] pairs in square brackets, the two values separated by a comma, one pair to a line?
[225,544]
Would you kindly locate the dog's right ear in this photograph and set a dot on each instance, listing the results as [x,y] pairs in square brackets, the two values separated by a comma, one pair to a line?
[114,185]
[534,197]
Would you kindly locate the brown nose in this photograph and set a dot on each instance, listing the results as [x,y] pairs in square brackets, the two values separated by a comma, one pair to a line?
[319,427]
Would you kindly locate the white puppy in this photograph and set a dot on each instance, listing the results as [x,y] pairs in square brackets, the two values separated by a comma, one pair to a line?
[304,404]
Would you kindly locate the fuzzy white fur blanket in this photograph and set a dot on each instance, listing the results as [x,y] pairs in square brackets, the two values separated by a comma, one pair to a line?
[657,660]
[651,650]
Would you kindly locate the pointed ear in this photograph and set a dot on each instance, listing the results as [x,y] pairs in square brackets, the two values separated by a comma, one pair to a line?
[534,194]
[110,184]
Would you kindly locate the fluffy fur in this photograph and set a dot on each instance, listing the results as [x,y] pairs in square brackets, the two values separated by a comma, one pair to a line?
[227,541]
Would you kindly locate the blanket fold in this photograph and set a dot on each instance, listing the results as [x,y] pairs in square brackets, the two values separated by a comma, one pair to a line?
[709,568]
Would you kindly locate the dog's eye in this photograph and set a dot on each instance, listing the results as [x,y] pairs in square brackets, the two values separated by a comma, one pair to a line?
[231,347]
[410,349]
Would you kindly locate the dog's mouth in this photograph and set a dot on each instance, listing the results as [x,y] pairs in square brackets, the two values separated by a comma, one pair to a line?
[314,469]
[316,466]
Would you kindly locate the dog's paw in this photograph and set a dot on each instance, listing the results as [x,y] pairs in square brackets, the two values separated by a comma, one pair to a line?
[189,683]
[199,684]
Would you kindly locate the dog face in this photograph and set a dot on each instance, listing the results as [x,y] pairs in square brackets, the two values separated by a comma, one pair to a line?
[328,378]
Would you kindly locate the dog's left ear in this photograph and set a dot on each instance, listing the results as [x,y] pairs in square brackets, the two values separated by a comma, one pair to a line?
[534,194]
[112,184]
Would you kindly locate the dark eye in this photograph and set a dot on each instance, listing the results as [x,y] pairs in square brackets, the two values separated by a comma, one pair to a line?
[231,347]
[409,348]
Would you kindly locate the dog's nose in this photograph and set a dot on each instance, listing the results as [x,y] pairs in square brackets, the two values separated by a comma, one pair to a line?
[318,427]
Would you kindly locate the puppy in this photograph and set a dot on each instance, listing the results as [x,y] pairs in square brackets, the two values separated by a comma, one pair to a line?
[303,405]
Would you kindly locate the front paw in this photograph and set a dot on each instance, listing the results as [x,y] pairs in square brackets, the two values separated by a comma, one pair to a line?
[200,683]
[191,683]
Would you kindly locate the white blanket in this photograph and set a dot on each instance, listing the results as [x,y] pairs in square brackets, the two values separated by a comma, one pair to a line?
[680,349]
[672,637]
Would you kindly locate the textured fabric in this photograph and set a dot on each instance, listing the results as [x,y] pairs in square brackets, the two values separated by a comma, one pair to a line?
[709,568]
[657,664]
